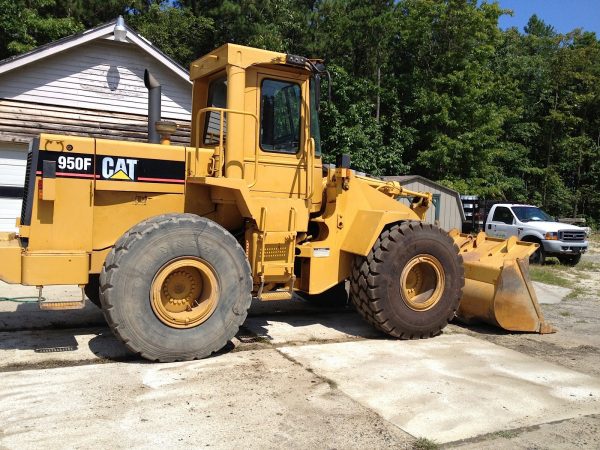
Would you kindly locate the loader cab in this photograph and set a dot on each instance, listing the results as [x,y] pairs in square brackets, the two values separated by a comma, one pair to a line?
[258,115]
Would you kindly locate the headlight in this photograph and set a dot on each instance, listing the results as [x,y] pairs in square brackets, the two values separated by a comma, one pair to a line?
[552,236]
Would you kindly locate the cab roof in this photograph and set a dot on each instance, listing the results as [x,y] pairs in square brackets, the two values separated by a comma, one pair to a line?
[235,55]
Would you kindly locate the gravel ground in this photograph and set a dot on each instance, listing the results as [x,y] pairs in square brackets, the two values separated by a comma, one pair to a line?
[290,405]
[576,345]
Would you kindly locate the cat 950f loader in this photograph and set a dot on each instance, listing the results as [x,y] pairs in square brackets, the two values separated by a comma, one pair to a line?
[174,242]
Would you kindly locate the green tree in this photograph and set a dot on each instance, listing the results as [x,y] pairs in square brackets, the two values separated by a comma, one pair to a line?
[349,126]
[451,94]
[427,86]
[270,24]
[176,31]
[27,24]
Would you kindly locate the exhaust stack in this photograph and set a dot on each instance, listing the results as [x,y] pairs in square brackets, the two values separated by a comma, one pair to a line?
[154,93]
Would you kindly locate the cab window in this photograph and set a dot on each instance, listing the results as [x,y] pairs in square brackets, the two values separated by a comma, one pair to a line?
[280,116]
[217,97]
[503,214]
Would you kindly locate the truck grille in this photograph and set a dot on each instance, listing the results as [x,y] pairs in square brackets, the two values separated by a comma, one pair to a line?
[571,236]
[32,160]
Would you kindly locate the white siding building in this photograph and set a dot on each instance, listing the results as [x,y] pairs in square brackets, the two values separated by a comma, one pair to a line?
[446,211]
[89,84]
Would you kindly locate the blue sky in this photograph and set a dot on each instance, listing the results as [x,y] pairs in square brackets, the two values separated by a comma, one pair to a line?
[563,15]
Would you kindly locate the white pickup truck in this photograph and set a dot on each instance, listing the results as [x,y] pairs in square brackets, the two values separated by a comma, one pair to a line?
[531,224]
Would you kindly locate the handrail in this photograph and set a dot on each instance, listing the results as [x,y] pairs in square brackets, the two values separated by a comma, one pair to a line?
[310,167]
[220,148]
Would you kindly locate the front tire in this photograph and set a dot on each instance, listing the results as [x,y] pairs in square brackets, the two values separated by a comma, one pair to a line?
[569,260]
[176,287]
[539,257]
[410,284]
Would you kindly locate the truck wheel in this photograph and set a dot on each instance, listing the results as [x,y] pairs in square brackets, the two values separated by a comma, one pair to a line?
[176,287]
[539,257]
[410,284]
[569,260]
[92,290]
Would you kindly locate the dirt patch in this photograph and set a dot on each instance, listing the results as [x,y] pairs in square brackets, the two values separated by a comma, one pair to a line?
[583,432]
[576,344]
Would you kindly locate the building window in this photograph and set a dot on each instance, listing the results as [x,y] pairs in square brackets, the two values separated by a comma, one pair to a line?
[436,204]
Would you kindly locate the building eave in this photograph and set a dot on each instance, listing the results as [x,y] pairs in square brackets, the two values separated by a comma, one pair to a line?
[100,32]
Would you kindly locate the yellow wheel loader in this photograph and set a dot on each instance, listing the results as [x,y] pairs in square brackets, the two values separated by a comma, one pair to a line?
[174,242]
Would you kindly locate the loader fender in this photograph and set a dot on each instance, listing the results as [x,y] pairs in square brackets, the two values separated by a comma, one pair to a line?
[366,228]
[368,211]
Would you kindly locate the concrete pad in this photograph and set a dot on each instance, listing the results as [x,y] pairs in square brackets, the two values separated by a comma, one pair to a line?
[250,400]
[549,294]
[307,328]
[452,387]
[15,315]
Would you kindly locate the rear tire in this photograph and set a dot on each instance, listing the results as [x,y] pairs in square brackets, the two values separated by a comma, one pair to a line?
[569,260]
[410,284]
[176,287]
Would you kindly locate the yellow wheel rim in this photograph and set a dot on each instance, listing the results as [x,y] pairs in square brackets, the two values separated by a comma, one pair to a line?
[184,292]
[422,282]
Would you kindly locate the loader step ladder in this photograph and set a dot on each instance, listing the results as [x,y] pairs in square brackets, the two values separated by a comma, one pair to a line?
[62,305]
[275,261]
[278,294]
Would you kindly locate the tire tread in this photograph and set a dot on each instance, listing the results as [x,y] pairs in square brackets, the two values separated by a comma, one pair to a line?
[113,263]
[366,281]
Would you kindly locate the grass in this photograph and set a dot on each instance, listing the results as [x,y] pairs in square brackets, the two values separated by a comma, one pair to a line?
[595,238]
[565,313]
[549,275]
[425,444]
[577,291]
[588,265]
[506,434]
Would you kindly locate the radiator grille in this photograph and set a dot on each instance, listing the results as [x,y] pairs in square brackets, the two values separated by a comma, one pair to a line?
[28,189]
[571,236]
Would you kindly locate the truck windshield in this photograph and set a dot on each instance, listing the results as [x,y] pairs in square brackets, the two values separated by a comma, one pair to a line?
[531,214]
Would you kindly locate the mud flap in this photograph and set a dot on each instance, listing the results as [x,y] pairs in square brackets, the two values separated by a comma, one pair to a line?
[498,289]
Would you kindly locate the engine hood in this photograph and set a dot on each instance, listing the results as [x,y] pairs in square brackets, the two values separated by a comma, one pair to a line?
[551,226]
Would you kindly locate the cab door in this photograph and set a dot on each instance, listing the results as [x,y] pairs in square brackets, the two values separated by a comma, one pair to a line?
[276,162]
[501,224]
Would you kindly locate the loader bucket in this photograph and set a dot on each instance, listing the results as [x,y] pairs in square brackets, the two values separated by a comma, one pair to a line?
[498,290]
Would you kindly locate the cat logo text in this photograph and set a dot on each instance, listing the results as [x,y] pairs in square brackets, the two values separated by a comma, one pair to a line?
[118,169]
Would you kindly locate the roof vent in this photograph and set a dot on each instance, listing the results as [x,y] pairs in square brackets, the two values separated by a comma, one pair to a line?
[120,31]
